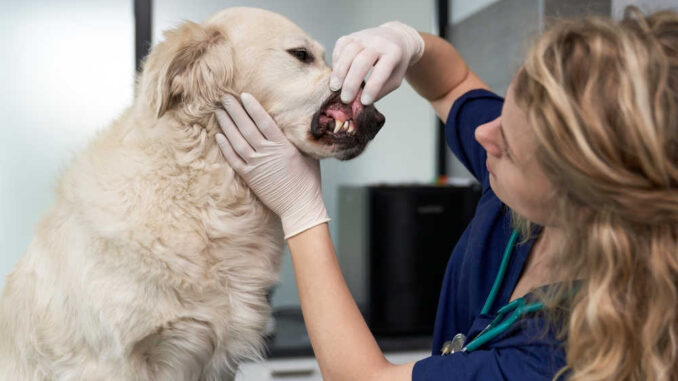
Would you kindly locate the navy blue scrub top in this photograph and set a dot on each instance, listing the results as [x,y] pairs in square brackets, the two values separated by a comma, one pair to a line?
[527,351]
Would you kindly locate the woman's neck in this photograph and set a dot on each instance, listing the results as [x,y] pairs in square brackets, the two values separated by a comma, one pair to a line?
[539,265]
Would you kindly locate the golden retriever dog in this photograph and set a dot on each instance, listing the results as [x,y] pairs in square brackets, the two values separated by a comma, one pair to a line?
[155,260]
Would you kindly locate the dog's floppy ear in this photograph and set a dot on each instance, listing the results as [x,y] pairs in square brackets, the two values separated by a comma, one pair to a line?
[193,66]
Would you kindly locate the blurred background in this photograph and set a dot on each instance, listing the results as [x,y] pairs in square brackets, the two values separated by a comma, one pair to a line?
[67,70]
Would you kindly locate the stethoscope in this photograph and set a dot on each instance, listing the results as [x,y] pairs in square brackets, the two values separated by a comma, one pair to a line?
[514,310]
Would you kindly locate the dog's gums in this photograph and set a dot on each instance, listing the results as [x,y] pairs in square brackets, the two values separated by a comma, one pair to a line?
[350,125]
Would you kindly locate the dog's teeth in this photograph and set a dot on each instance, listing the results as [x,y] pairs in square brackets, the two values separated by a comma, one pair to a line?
[345,125]
[337,125]
[351,129]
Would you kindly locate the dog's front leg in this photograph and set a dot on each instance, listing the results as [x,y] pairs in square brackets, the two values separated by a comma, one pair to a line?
[178,350]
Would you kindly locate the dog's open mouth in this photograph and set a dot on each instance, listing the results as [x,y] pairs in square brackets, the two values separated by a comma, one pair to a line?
[337,122]
[337,118]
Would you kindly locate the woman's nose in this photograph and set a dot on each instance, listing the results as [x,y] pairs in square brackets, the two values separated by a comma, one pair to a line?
[489,137]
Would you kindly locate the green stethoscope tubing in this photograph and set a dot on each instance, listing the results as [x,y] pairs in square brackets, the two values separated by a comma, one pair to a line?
[500,325]
[508,251]
[518,307]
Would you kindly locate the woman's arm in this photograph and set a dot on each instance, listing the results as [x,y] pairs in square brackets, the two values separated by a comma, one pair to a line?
[441,75]
[289,184]
[343,345]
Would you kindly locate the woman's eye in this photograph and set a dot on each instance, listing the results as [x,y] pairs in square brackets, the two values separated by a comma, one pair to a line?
[302,55]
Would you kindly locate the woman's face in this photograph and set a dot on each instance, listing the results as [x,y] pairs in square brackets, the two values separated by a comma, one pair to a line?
[515,176]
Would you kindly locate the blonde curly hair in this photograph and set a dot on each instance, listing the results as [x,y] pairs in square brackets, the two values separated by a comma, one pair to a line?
[602,99]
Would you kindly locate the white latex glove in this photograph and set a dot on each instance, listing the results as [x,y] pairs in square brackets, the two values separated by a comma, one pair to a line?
[284,179]
[393,46]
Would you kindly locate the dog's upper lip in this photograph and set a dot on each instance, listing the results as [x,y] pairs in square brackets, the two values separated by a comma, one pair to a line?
[318,130]
[346,111]
[334,98]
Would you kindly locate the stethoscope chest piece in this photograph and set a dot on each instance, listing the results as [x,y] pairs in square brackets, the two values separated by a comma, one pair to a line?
[454,345]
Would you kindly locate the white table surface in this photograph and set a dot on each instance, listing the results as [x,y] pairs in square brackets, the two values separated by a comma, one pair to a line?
[303,368]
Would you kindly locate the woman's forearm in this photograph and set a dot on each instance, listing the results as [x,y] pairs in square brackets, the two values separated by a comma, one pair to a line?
[439,70]
[343,344]
[441,75]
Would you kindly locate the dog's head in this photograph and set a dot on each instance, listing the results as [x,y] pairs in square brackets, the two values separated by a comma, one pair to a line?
[262,53]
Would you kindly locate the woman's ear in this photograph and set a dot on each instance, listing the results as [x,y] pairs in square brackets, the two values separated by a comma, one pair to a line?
[193,66]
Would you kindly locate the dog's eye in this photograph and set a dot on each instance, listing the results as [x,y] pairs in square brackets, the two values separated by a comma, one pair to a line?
[301,54]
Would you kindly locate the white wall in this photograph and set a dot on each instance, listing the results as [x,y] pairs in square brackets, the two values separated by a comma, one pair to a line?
[66,70]
[647,6]
[404,149]
[461,9]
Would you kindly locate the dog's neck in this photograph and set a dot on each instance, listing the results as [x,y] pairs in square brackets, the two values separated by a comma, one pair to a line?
[186,134]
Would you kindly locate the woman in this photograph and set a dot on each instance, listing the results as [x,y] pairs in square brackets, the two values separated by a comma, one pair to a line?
[584,153]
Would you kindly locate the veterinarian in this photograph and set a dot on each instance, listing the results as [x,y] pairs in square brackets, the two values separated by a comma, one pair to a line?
[570,265]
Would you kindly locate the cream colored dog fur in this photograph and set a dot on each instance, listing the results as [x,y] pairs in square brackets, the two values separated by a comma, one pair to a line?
[155,260]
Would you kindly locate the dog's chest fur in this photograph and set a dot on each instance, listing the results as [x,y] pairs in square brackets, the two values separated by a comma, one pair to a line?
[175,257]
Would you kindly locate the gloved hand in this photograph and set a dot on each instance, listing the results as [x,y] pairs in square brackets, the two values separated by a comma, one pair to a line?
[394,47]
[284,179]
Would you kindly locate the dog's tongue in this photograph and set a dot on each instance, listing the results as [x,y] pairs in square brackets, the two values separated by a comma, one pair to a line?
[343,111]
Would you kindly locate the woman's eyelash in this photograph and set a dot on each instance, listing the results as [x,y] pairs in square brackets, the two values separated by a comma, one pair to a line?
[503,139]
[506,151]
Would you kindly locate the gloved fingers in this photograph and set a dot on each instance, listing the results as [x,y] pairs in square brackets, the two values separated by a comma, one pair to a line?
[394,81]
[243,121]
[231,157]
[343,63]
[239,144]
[267,126]
[339,46]
[380,74]
[360,66]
